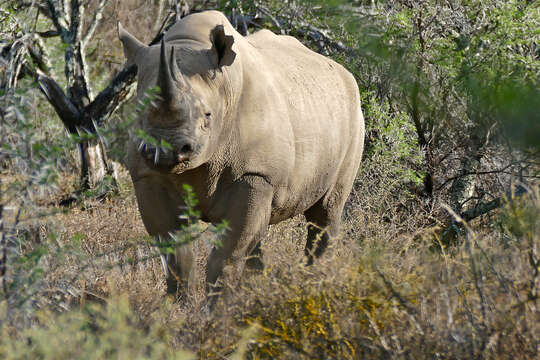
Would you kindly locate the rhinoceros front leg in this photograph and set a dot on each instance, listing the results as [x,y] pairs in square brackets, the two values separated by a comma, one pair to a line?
[247,208]
[160,206]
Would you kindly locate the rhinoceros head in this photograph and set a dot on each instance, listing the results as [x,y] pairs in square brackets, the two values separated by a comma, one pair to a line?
[188,113]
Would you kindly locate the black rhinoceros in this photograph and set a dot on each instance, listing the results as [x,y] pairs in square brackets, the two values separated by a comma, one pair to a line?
[261,127]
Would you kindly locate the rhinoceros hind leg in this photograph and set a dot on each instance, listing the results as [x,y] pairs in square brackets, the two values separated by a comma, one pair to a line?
[320,228]
[324,219]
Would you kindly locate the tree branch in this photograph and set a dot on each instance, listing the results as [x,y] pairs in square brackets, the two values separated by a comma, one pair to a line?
[98,15]
[66,110]
[12,56]
[484,208]
[161,7]
[109,99]
[48,33]
[450,232]
[497,171]
[302,28]
[272,18]
[76,15]
[77,84]
[38,54]
[58,19]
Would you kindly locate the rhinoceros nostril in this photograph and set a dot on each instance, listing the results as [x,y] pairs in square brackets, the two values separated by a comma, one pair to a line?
[186,149]
[185,152]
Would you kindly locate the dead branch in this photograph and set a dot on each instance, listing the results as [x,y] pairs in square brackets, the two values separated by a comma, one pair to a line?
[459,220]
[484,208]
[110,98]
[66,110]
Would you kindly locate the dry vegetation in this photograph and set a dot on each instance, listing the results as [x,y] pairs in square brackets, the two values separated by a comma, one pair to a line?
[83,279]
[385,293]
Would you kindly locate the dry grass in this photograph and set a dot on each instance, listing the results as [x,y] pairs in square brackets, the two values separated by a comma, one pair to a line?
[378,292]
[382,290]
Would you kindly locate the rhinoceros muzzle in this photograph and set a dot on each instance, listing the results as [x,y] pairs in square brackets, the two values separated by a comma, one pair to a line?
[163,158]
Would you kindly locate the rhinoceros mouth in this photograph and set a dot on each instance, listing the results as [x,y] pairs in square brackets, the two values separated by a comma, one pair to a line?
[167,161]
[164,159]
[181,167]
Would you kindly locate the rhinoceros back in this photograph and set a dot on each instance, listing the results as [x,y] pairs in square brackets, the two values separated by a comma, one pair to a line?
[319,113]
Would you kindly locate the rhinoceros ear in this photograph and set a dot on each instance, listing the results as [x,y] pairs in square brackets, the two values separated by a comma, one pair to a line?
[130,43]
[222,46]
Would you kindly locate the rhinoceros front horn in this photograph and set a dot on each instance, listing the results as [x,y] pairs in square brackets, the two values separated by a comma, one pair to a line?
[170,79]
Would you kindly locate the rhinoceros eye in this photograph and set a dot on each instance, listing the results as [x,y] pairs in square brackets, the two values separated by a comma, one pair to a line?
[206,121]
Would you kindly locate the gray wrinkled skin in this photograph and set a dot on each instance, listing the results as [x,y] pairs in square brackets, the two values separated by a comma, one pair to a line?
[261,127]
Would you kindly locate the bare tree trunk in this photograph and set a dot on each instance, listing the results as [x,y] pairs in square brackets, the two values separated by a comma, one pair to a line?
[68,21]
[76,107]
[93,164]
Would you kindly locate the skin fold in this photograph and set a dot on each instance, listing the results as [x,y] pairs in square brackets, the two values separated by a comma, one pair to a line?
[261,128]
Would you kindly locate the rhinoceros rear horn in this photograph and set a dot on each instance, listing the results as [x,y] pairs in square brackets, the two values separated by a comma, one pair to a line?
[170,79]
[222,46]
